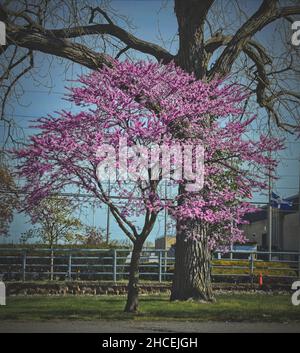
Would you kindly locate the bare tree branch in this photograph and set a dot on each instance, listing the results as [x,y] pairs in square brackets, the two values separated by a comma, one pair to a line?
[27,28]
[267,13]
[263,83]
[55,41]
[130,40]
[122,51]
[102,12]
[64,48]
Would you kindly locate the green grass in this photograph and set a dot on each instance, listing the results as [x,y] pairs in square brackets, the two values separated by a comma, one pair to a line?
[233,307]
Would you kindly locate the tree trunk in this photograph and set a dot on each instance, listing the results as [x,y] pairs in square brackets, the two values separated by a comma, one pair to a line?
[192,277]
[133,290]
[192,265]
[191,15]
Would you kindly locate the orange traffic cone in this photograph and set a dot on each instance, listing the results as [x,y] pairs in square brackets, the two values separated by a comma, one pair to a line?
[260,281]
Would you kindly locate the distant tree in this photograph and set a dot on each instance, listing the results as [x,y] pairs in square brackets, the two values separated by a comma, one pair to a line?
[149,245]
[93,236]
[55,220]
[8,199]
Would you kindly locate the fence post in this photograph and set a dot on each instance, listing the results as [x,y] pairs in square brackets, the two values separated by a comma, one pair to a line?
[70,267]
[24,266]
[115,265]
[165,263]
[231,250]
[251,267]
[51,265]
[159,266]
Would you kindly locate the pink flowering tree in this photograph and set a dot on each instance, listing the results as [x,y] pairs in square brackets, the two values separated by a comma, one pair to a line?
[149,106]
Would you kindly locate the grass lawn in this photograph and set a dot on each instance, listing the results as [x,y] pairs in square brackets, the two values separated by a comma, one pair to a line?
[229,307]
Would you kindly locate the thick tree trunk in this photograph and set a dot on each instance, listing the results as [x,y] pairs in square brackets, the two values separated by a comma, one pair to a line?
[133,290]
[192,277]
[192,265]
[191,15]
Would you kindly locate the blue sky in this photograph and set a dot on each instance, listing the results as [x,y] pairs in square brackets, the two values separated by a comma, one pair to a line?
[146,16]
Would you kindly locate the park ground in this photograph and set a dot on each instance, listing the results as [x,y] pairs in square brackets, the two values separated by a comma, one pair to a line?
[263,312]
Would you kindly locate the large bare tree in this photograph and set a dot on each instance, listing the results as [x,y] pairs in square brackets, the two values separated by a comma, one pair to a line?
[215,39]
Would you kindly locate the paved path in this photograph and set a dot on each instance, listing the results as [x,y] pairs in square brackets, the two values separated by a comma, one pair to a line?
[146,326]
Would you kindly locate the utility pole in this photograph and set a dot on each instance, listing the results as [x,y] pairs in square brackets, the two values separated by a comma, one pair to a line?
[108,215]
[165,219]
[270,221]
[270,208]
[165,230]
[94,214]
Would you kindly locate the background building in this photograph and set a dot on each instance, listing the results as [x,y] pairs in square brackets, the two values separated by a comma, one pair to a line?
[285,227]
[165,242]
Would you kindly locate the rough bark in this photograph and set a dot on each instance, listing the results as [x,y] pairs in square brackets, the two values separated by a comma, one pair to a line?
[192,279]
[133,289]
[191,15]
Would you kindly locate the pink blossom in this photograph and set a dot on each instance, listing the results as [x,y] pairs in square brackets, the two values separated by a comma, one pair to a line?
[145,102]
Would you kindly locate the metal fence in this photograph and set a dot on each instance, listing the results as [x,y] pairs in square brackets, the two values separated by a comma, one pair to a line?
[156,265]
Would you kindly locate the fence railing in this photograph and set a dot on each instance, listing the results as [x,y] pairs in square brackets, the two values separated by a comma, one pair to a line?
[157,265]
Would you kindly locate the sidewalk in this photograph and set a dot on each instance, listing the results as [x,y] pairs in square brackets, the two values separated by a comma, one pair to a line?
[145,326]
